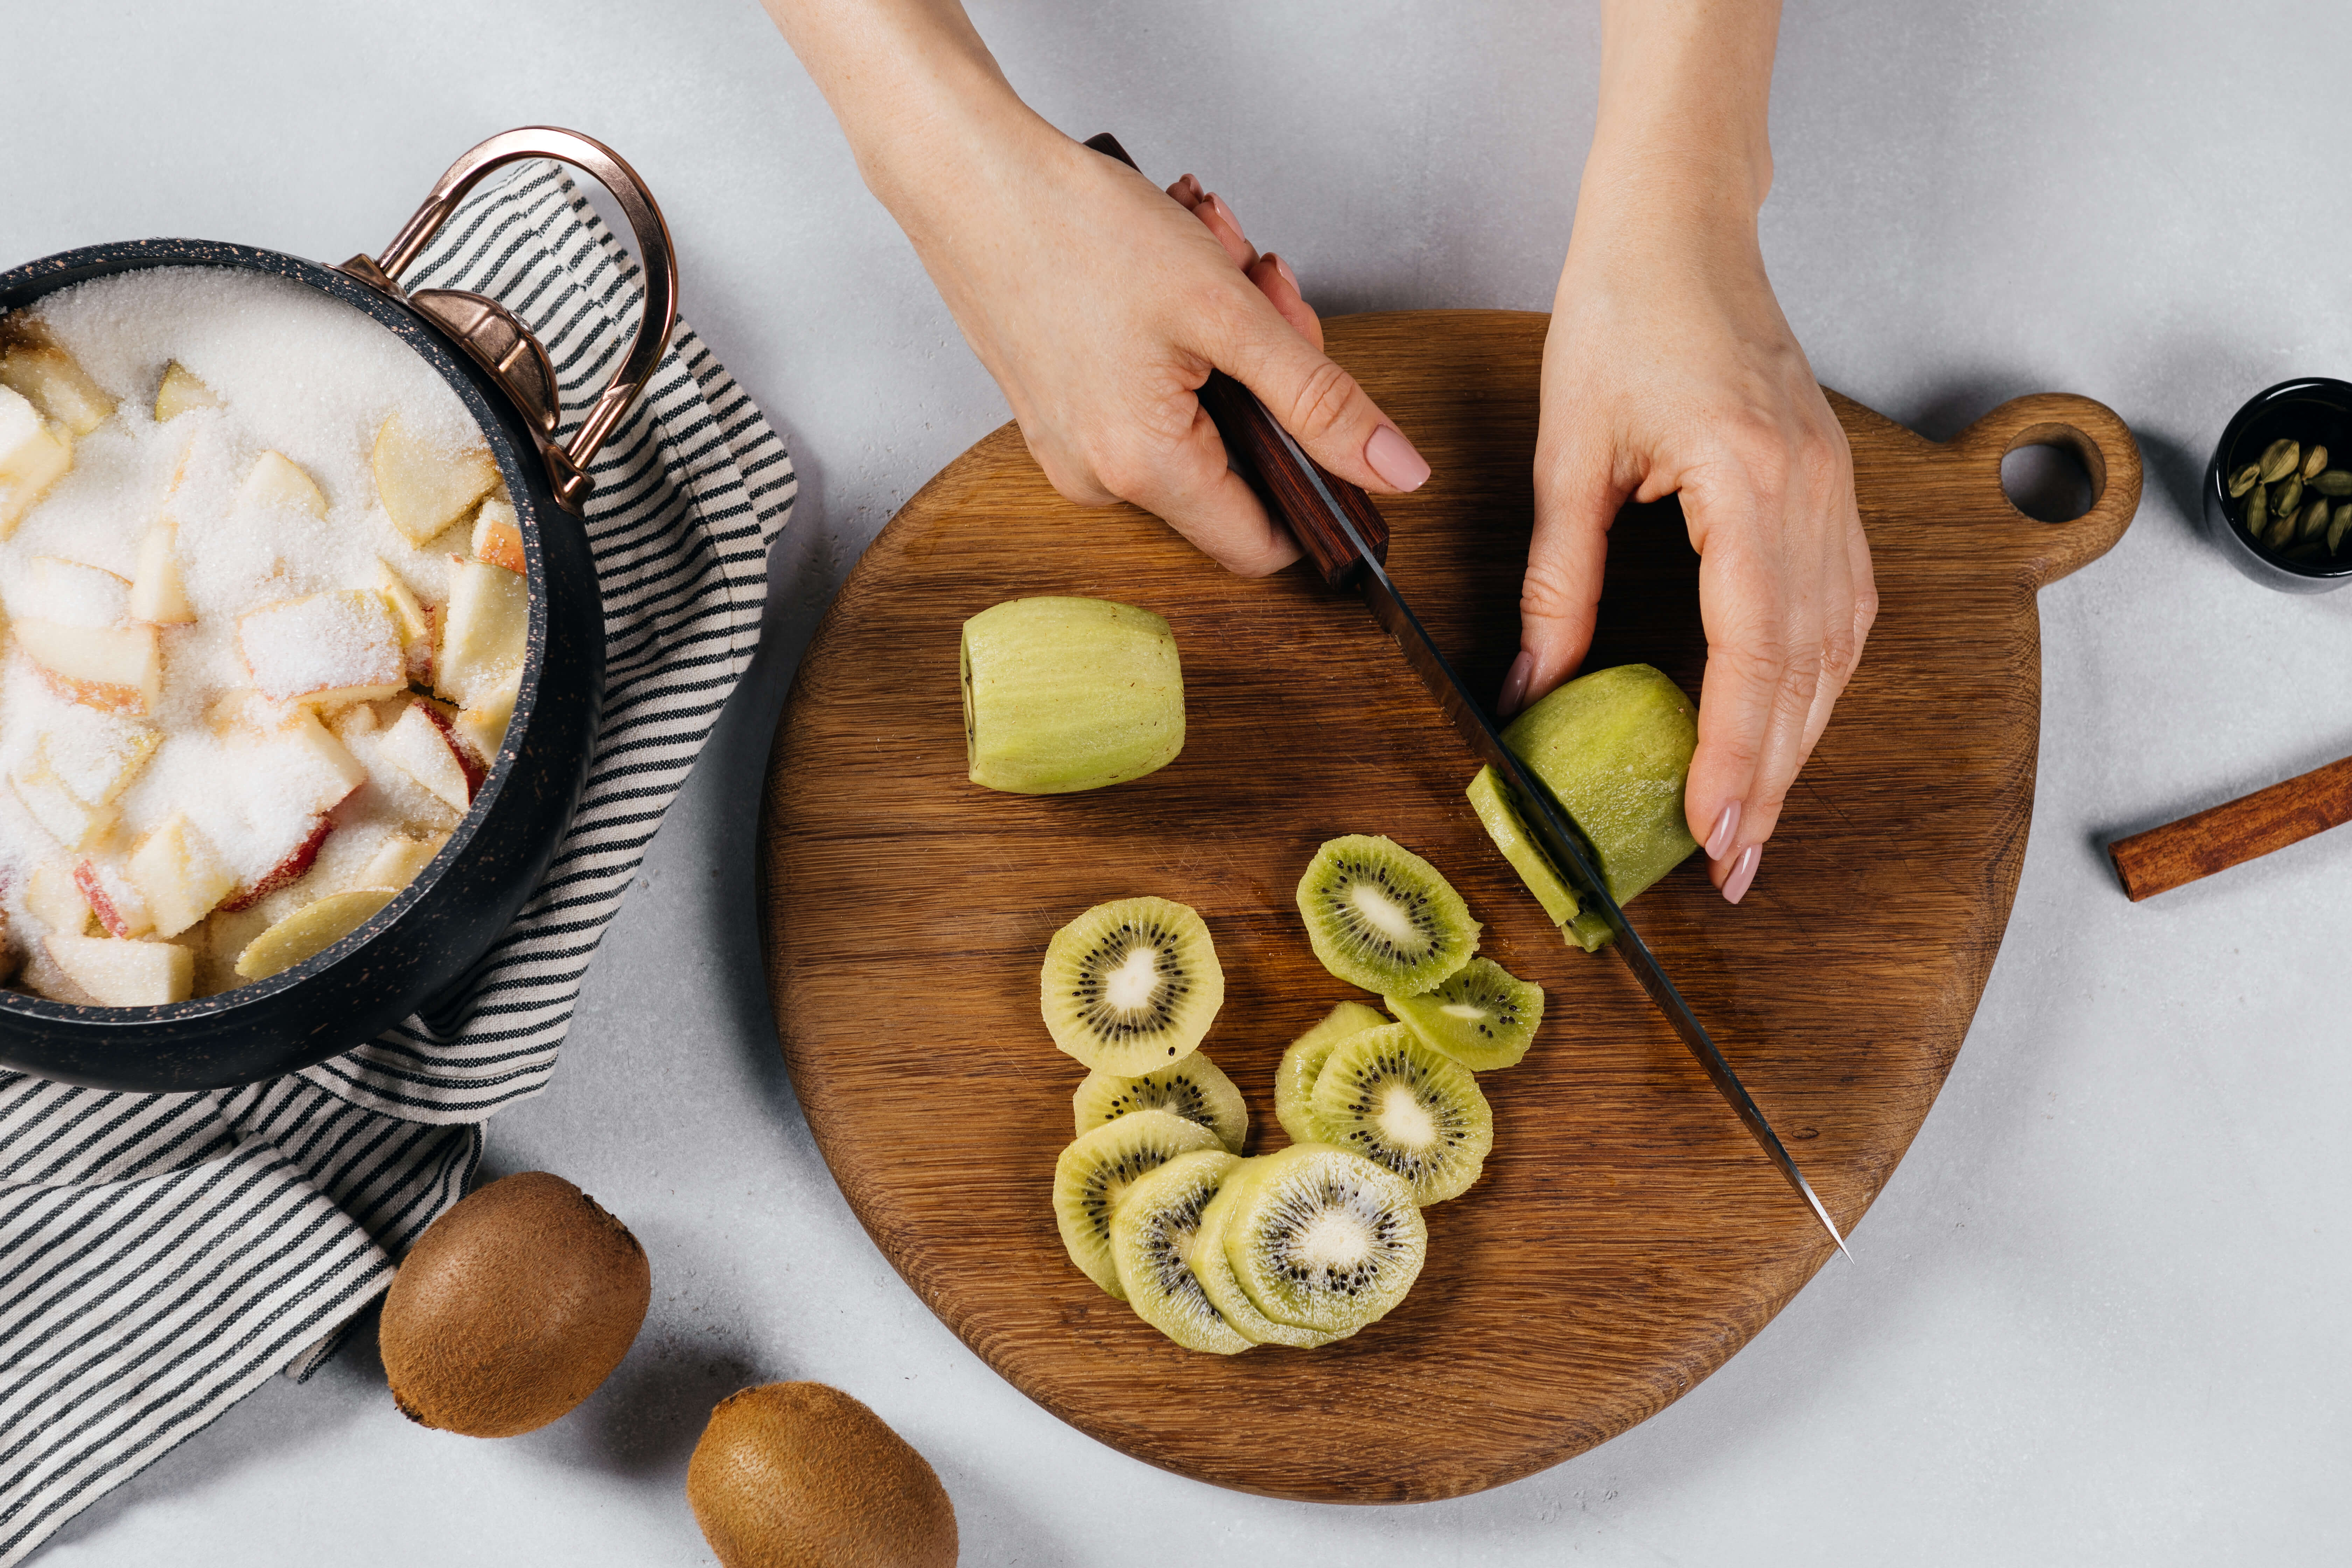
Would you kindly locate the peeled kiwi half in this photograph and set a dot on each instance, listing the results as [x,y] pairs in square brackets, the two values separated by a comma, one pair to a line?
[1094,1172]
[1064,694]
[1380,917]
[1195,1088]
[1214,1270]
[1302,1064]
[1323,1239]
[1131,985]
[1386,1095]
[1153,1232]
[1481,1016]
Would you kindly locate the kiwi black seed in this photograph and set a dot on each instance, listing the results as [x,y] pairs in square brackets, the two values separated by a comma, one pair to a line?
[1195,1088]
[1387,1095]
[1131,985]
[799,1475]
[512,1307]
[1094,1172]
[1321,1238]
[1382,918]
[1481,1014]
[1152,1236]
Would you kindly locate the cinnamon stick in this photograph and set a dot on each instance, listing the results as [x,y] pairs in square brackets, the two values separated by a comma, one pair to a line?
[2164,858]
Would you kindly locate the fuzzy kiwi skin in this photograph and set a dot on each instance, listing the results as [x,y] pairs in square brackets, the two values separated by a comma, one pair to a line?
[512,1307]
[799,1475]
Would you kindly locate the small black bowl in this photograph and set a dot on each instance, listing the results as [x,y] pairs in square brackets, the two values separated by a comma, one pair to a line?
[2309,408]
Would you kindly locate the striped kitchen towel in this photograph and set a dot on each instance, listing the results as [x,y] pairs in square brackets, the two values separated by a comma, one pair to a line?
[160,1256]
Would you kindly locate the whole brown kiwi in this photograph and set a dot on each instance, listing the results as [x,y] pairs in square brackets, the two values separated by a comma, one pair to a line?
[512,1307]
[799,1475]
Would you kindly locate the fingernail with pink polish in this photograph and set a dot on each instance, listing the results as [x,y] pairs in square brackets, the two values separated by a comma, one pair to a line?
[1284,268]
[1514,684]
[1719,843]
[1216,203]
[1391,456]
[1743,872]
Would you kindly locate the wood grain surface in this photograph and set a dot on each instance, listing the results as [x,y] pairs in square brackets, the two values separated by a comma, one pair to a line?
[1626,1237]
[2235,832]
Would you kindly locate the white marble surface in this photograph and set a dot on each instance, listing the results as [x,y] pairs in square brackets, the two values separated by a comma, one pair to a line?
[2096,1315]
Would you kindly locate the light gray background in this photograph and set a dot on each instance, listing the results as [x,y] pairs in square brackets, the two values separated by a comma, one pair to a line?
[2097,1315]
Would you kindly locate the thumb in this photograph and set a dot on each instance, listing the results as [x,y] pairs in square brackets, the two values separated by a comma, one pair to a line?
[1576,497]
[1333,418]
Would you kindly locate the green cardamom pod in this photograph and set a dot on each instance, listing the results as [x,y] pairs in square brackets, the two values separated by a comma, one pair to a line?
[2258,511]
[2282,530]
[2337,482]
[2335,530]
[2314,463]
[2287,496]
[2244,480]
[2280,458]
[2314,521]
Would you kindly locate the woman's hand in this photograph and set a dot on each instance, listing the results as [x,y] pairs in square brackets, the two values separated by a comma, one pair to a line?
[1670,370]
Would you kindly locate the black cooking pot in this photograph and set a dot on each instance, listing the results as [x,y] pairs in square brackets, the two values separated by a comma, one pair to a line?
[422,941]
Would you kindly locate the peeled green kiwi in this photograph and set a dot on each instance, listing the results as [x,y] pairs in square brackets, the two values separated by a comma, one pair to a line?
[1214,1271]
[1481,1016]
[1302,1064]
[1064,694]
[1194,1089]
[1094,1172]
[1323,1239]
[798,1475]
[1152,1234]
[1380,917]
[1131,985]
[512,1307]
[1387,1096]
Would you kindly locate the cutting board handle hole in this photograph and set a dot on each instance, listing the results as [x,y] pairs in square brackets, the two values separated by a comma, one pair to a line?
[2052,473]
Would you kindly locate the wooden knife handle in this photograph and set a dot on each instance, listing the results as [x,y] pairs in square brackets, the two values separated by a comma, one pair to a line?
[2229,835]
[1259,454]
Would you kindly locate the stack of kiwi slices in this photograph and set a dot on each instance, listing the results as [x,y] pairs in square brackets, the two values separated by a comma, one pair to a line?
[1155,1201]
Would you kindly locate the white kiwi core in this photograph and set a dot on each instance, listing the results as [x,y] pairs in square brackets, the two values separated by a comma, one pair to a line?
[1404,1120]
[1130,987]
[1465,1011]
[1383,913]
[1335,1240]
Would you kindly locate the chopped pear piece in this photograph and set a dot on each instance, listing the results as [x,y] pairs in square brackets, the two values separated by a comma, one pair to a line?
[277,484]
[488,625]
[119,906]
[424,752]
[396,864]
[310,931]
[49,379]
[156,595]
[63,816]
[175,869]
[119,973]
[498,536]
[70,593]
[34,455]
[181,392]
[117,670]
[54,897]
[325,649]
[426,488]
[482,728]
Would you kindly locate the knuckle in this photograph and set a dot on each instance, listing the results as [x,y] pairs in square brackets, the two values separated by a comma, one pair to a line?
[1548,593]
[1322,403]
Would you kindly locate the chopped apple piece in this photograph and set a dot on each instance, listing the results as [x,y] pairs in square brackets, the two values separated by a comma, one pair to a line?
[488,625]
[181,392]
[96,758]
[54,899]
[34,455]
[50,379]
[423,750]
[120,974]
[482,728]
[310,767]
[498,536]
[278,484]
[310,931]
[181,879]
[289,870]
[43,978]
[67,817]
[118,669]
[70,593]
[397,863]
[114,899]
[324,650]
[156,595]
[426,488]
[415,622]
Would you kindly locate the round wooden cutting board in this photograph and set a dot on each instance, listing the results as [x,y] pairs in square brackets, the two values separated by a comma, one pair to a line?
[1626,1237]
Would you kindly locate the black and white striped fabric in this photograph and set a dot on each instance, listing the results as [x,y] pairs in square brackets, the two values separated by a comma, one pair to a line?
[162,1256]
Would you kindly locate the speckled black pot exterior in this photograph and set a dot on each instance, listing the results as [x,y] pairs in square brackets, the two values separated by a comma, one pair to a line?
[429,936]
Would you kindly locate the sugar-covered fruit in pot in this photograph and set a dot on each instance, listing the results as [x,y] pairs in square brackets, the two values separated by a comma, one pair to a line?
[266,615]
[512,1307]
[799,1475]
[1067,694]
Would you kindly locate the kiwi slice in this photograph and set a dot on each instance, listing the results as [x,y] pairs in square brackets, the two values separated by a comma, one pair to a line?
[1195,1088]
[1380,917]
[1094,1172]
[1500,816]
[1481,1016]
[1064,694]
[1214,1270]
[1302,1064]
[1323,1239]
[1389,1096]
[1131,985]
[1152,1235]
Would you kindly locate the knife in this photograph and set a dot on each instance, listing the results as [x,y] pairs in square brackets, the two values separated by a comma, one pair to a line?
[1341,532]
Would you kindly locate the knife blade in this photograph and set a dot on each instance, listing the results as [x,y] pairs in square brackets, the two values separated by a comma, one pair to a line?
[1309,503]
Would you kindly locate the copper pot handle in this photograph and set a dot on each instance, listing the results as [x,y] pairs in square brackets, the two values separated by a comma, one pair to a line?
[498,340]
